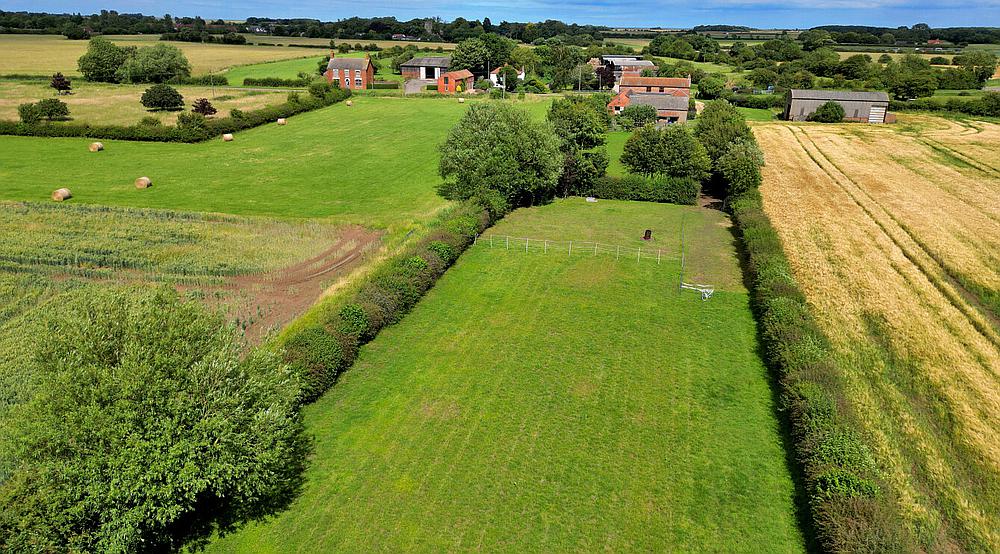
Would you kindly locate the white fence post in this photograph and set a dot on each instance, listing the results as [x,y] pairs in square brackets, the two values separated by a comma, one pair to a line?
[546,247]
[618,253]
[638,255]
[526,244]
[595,248]
[570,248]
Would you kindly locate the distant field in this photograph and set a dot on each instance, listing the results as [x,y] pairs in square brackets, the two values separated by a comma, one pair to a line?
[893,233]
[372,163]
[100,103]
[755,114]
[257,39]
[554,403]
[616,146]
[46,54]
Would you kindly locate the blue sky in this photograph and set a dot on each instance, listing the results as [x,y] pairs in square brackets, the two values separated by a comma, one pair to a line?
[646,13]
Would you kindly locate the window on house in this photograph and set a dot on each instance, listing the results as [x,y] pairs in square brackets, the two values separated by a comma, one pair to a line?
[336,73]
[347,82]
[357,72]
[446,80]
[357,82]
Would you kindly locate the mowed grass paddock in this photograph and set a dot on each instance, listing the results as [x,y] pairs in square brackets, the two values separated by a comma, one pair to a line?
[46,54]
[373,163]
[893,233]
[547,402]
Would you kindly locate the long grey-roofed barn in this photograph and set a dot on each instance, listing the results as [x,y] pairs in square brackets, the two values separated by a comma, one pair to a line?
[868,107]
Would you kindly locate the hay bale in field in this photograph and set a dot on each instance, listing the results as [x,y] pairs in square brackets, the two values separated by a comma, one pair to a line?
[143,183]
[228,137]
[349,102]
[461,100]
[282,121]
[96,146]
[61,194]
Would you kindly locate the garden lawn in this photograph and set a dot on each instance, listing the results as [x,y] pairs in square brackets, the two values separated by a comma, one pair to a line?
[373,163]
[553,403]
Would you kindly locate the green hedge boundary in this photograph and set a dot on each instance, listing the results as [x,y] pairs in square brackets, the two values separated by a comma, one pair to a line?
[328,343]
[850,505]
[658,188]
[149,133]
[986,105]
[275,82]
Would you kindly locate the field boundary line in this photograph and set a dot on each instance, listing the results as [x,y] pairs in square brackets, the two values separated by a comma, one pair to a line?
[572,247]
[947,284]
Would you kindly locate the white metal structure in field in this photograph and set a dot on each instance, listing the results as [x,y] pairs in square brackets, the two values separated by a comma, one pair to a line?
[706,290]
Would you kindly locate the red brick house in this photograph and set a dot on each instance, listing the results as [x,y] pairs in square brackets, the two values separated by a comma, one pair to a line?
[350,73]
[456,81]
[677,86]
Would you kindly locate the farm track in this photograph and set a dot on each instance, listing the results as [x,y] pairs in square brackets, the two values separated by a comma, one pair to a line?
[936,270]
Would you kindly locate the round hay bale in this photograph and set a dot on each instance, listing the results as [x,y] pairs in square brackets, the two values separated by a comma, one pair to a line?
[61,194]
[228,137]
[461,100]
[96,146]
[282,121]
[350,102]
[143,183]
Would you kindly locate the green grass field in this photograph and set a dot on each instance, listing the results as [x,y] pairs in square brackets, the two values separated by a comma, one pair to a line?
[284,69]
[616,145]
[554,403]
[372,163]
[755,114]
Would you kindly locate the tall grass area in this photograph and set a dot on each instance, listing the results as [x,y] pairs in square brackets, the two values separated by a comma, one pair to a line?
[371,163]
[283,69]
[549,402]
[46,54]
[104,104]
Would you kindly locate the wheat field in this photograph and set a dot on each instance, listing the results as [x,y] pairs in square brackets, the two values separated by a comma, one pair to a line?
[894,235]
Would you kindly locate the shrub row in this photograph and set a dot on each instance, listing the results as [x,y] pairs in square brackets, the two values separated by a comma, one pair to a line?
[326,346]
[986,105]
[759,101]
[238,121]
[202,80]
[275,82]
[658,188]
[849,505]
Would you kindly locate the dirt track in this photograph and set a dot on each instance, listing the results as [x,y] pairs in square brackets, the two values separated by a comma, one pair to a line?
[266,302]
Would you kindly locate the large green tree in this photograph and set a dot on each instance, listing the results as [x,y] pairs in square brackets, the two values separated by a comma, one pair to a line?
[720,124]
[482,54]
[103,59]
[982,63]
[159,63]
[498,155]
[139,424]
[578,122]
[672,151]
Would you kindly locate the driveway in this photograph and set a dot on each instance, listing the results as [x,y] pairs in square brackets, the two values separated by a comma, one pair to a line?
[414,86]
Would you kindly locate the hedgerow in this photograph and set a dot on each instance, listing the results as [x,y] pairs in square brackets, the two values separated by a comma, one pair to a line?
[655,188]
[326,346]
[986,105]
[212,128]
[275,82]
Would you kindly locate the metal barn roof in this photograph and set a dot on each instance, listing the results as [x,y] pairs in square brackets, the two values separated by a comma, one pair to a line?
[849,95]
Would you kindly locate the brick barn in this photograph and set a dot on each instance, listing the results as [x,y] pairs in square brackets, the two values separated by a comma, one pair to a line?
[350,73]
[456,81]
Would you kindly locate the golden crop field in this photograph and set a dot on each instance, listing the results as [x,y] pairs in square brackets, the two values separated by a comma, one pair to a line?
[893,233]
[265,39]
[46,54]
[103,104]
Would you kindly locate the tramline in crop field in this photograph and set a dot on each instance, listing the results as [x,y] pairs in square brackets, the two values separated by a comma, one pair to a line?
[894,235]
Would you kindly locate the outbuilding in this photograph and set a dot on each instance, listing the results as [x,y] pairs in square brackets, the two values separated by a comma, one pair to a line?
[425,68]
[866,107]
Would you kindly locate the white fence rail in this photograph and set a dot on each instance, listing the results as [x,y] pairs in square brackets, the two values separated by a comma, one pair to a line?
[574,248]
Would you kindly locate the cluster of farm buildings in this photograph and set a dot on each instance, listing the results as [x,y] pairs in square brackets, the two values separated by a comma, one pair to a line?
[670,96]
